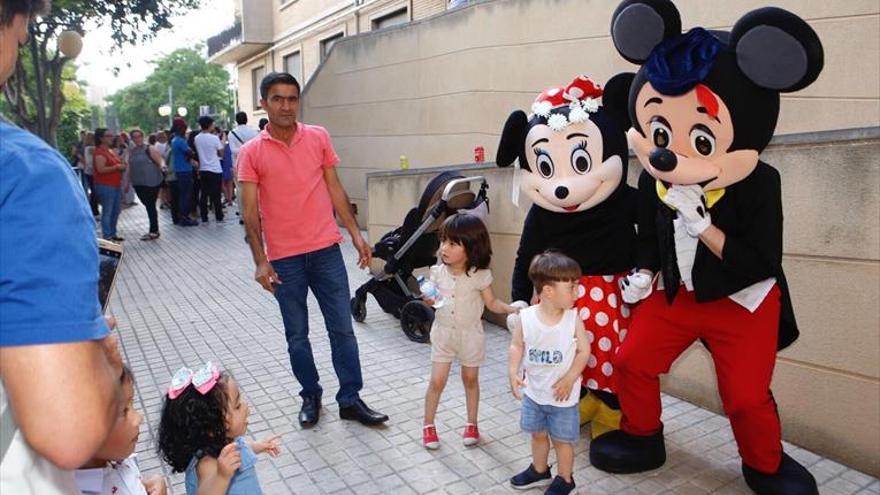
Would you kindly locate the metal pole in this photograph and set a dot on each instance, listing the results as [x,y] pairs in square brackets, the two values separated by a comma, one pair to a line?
[170,106]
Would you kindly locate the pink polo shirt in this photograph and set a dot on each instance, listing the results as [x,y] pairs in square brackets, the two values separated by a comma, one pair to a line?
[295,206]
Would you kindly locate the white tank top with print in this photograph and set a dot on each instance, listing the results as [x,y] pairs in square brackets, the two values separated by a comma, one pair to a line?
[549,353]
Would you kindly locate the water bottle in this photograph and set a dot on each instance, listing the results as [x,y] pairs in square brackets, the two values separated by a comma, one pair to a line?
[430,291]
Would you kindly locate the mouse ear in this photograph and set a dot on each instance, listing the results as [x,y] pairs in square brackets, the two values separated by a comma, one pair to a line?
[637,26]
[512,138]
[777,50]
[615,99]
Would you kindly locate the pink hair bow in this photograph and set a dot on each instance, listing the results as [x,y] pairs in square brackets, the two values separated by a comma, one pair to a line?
[203,379]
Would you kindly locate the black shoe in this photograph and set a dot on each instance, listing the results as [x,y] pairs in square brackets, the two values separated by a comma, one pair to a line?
[622,453]
[560,486]
[116,238]
[790,479]
[531,478]
[310,412]
[363,414]
[186,222]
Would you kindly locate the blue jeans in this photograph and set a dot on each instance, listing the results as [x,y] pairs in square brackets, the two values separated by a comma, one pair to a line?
[323,271]
[184,187]
[561,423]
[109,197]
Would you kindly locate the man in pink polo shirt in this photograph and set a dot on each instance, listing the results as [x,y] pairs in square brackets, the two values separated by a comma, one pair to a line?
[289,190]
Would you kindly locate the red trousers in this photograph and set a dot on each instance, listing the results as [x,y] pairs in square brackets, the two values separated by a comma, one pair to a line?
[743,347]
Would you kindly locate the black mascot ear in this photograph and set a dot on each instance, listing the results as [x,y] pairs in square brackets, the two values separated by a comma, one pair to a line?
[637,26]
[615,99]
[513,136]
[777,50]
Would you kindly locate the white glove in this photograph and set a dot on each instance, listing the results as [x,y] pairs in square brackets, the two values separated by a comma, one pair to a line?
[513,318]
[636,287]
[690,204]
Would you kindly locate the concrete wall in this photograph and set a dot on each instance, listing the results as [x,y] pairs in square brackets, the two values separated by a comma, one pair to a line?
[828,383]
[435,89]
[301,25]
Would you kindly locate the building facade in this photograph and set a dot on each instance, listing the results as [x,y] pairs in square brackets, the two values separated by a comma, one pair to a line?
[295,36]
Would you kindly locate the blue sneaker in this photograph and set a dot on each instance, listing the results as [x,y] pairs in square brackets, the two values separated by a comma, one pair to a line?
[560,486]
[531,478]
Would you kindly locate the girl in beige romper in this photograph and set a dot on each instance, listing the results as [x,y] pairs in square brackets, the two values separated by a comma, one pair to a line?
[464,282]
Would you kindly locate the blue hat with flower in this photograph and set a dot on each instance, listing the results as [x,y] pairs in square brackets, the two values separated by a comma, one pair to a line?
[678,63]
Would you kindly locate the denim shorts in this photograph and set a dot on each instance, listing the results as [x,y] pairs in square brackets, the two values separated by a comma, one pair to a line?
[562,423]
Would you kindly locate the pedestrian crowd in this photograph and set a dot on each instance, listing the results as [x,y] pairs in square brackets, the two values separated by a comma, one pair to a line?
[189,172]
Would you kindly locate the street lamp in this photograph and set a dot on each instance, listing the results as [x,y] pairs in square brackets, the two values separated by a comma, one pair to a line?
[182,111]
[164,110]
[70,43]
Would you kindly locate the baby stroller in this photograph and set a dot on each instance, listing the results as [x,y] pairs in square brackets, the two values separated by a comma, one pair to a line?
[414,245]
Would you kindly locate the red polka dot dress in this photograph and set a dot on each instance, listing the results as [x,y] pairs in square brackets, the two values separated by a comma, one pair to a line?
[606,319]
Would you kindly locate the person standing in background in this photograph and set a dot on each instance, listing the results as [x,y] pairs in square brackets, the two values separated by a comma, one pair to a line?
[241,134]
[147,169]
[183,171]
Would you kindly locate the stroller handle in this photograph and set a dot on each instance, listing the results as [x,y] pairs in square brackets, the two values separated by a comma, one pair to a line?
[448,189]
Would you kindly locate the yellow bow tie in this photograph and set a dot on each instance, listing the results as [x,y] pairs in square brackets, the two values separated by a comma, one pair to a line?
[712,196]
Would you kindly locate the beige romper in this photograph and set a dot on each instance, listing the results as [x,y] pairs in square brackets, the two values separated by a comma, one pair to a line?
[457,331]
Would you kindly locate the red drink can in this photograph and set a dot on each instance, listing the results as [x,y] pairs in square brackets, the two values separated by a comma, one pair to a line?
[479,154]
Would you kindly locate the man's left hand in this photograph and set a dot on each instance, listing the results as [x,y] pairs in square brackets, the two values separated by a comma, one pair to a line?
[365,252]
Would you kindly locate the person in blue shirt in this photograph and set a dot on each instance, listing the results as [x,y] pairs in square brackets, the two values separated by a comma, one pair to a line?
[181,153]
[60,367]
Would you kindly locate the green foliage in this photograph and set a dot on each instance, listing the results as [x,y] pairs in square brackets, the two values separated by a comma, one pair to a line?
[195,83]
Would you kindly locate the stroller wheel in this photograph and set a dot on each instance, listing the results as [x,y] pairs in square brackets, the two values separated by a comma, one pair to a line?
[358,309]
[416,318]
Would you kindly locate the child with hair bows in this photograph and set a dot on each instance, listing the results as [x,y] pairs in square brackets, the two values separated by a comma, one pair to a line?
[201,433]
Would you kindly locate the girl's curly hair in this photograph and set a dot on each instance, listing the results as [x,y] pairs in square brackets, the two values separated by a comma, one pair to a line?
[193,425]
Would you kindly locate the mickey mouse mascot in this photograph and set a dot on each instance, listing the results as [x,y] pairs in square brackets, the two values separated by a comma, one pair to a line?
[572,159]
[703,106]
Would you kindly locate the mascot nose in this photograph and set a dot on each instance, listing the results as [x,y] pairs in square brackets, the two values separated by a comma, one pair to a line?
[662,159]
[561,192]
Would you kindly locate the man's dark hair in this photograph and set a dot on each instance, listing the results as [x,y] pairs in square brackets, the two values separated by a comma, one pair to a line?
[241,118]
[263,123]
[205,122]
[11,8]
[274,78]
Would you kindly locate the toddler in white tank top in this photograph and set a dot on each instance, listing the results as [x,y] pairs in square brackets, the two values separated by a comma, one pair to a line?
[548,353]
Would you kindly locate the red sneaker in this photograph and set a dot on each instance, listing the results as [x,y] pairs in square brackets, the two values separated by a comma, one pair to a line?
[429,437]
[471,435]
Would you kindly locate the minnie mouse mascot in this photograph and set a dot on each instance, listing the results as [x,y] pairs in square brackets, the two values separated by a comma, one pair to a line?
[703,106]
[572,159]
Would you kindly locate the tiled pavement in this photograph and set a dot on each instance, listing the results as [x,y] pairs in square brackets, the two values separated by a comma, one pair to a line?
[190,297]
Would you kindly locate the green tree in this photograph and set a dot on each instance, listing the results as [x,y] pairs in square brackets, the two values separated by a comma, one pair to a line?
[75,114]
[195,82]
[34,93]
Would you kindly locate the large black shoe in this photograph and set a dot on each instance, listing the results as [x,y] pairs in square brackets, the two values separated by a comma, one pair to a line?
[363,414]
[622,453]
[310,412]
[790,479]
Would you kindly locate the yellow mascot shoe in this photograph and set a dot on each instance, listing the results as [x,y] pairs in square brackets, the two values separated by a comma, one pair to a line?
[588,408]
[606,419]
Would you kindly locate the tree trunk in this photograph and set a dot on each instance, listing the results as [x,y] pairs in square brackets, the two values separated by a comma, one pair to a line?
[38,109]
